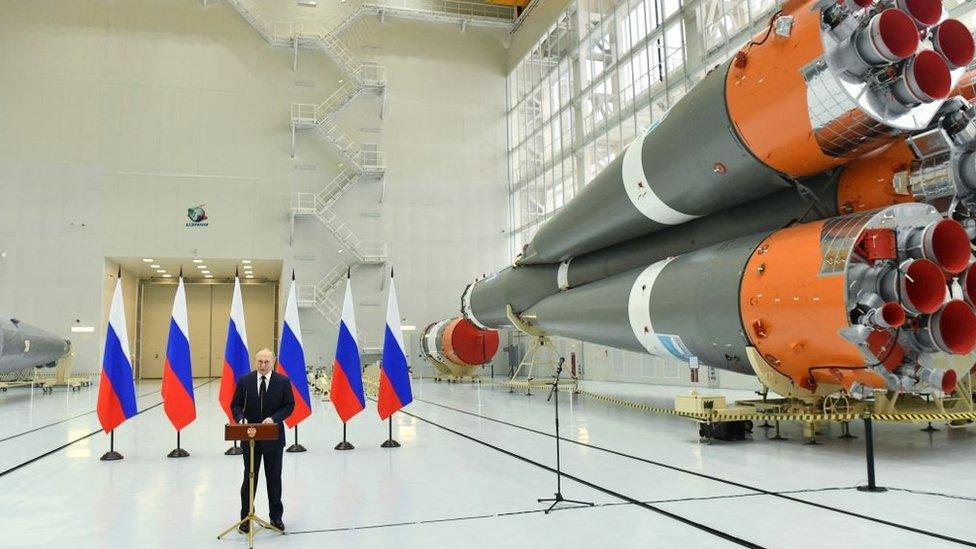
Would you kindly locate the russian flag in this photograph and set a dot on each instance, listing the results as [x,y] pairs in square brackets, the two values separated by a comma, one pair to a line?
[291,359]
[346,392]
[177,372]
[237,361]
[116,389]
[395,390]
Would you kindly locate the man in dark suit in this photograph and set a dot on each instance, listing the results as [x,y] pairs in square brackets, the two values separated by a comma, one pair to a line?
[264,396]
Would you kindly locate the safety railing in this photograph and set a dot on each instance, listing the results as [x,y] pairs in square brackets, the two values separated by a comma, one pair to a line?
[303,203]
[447,7]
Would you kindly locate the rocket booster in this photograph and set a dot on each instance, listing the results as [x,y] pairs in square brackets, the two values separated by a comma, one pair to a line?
[834,82]
[859,302]
[24,346]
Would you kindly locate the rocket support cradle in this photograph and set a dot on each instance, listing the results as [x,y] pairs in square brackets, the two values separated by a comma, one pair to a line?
[714,232]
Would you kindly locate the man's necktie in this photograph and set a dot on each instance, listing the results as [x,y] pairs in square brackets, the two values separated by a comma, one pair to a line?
[263,391]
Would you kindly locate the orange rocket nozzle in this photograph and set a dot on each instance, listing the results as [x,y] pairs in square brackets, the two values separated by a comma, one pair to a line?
[953,40]
[949,380]
[925,13]
[893,314]
[893,36]
[947,243]
[926,78]
[923,286]
[954,328]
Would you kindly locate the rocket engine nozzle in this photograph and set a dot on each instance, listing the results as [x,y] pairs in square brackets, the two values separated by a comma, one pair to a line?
[968,280]
[924,13]
[888,37]
[954,41]
[952,329]
[945,242]
[924,78]
[944,380]
[891,315]
[919,283]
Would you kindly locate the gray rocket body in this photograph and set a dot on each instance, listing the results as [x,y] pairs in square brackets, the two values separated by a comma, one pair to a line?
[690,165]
[674,308]
[525,285]
[25,346]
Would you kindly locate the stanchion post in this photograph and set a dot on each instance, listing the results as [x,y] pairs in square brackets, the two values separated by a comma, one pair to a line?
[869,455]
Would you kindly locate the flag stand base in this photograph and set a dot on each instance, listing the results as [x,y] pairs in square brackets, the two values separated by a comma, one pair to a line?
[296,447]
[111,455]
[390,442]
[178,452]
[345,444]
[234,450]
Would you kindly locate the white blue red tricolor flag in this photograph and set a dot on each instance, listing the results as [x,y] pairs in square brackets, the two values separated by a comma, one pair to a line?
[177,372]
[116,389]
[291,359]
[237,361]
[347,373]
[395,390]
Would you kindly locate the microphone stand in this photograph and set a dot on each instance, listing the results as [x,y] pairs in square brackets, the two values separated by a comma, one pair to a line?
[554,392]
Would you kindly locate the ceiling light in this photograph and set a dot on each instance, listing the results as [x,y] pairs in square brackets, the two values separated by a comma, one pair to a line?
[161,271]
[408,328]
[205,272]
[246,261]
[198,261]
[155,267]
[147,260]
[201,266]
[249,276]
[82,329]
[208,276]
[167,276]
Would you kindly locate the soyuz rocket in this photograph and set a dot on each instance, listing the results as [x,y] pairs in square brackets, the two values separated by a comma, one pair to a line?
[809,207]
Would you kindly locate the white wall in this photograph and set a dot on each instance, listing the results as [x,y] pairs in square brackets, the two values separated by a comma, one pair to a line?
[116,116]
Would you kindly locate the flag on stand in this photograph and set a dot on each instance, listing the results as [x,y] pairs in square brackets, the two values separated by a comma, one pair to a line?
[395,390]
[177,389]
[291,359]
[116,388]
[346,392]
[237,361]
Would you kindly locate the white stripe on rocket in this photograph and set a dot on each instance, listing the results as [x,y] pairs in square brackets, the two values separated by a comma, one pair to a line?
[562,275]
[639,190]
[466,307]
[179,310]
[237,311]
[116,319]
[393,317]
[348,314]
[432,344]
[291,315]
[640,311]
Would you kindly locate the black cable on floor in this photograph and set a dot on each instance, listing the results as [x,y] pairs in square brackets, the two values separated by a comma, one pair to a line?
[83,414]
[716,479]
[708,529]
[79,439]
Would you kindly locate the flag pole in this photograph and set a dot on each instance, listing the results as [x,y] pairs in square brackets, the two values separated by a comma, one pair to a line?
[179,452]
[390,443]
[296,447]
[111,455]
[344,445]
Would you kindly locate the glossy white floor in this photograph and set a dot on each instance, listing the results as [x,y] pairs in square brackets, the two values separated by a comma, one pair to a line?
[444,487]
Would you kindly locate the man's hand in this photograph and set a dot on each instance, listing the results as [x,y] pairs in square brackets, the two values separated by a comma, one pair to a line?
[267,420]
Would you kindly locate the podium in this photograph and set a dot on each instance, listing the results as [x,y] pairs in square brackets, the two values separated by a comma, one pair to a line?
[250,432]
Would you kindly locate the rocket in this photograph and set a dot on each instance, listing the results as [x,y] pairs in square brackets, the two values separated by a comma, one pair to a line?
[455,346]
[24,346]
[810,205]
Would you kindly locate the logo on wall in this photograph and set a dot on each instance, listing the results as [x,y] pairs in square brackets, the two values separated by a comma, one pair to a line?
[197,216]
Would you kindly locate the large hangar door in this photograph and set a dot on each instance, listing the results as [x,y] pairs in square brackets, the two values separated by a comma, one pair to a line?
[208,308]
[260,319]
